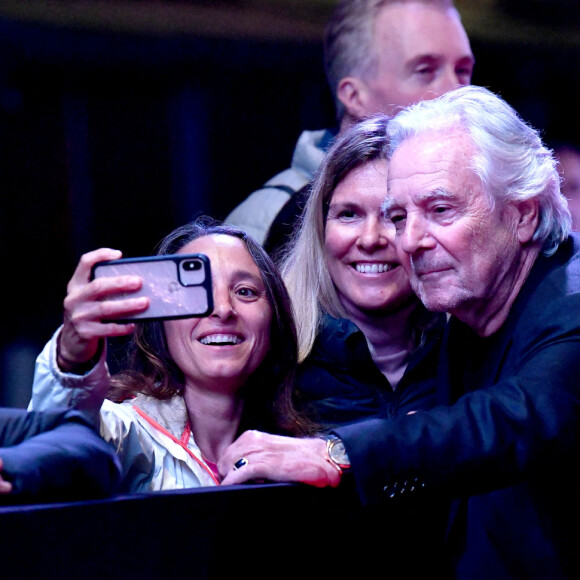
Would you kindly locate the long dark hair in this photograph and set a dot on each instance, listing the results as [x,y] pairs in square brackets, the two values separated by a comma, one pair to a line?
[268,395]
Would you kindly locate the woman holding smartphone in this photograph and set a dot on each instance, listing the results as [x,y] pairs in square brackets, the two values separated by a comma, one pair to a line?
[191,385]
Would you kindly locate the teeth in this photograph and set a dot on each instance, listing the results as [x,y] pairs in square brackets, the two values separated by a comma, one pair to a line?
[373,268]
[221,339]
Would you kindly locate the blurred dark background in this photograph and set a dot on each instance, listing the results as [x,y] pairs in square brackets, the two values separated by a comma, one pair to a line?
[120,120]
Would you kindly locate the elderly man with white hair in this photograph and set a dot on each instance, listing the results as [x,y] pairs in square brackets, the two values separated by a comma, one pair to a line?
[484,234]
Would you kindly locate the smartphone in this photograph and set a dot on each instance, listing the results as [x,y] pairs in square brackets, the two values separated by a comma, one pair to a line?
[177,285]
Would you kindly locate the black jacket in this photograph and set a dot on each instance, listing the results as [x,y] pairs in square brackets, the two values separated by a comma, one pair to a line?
[506,446]
[339,383]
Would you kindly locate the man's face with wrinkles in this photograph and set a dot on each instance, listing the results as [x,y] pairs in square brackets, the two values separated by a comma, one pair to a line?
[461,253]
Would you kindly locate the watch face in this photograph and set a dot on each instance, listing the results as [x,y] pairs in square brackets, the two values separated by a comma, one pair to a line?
[338,453]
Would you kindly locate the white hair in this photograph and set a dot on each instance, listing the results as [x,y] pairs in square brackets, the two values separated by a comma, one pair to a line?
[511,160]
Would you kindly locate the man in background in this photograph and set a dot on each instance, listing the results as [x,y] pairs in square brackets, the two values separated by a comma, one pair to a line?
[380,56]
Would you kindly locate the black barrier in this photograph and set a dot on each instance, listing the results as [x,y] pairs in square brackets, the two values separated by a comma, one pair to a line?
[266,531]
[256,531]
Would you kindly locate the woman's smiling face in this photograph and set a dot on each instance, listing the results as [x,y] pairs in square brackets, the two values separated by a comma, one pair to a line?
[222,350]
[362,263]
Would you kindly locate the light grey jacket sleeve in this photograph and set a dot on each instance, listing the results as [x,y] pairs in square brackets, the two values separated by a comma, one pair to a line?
[257,212]
[52,388]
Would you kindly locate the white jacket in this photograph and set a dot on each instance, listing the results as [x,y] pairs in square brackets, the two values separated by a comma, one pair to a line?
[257,212]
[152,437]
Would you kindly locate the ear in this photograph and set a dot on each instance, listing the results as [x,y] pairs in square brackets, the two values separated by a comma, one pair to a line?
[529,215]
[352,93]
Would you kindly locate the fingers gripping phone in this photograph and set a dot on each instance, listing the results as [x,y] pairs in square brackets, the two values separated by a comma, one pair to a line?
[177,285]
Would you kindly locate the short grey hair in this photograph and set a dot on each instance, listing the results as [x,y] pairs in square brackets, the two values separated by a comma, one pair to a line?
[511,160]
[349,41]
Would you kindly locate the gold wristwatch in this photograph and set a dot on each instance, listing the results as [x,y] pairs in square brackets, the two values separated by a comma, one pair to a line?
[336,453]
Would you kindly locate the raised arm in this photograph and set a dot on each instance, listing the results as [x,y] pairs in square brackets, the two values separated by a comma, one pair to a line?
[71,371]
[87,312]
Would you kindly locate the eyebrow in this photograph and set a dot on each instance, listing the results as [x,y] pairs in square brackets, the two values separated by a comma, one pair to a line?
[467,59]
[343,204]
[238,275]
[387,205]
[436,58]
[438,193]
[423,58]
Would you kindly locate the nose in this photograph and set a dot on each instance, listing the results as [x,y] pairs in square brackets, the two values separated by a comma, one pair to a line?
[374,234]
[223,306]
[415,236]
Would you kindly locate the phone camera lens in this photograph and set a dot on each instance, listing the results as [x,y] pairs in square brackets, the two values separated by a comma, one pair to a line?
[191,265]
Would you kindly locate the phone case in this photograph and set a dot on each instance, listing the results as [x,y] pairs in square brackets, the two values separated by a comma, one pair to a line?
[178,285]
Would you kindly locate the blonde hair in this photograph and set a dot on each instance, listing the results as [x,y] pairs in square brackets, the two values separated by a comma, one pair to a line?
[304,266]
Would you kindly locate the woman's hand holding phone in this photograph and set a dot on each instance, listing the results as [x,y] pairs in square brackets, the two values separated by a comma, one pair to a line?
[88,311]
